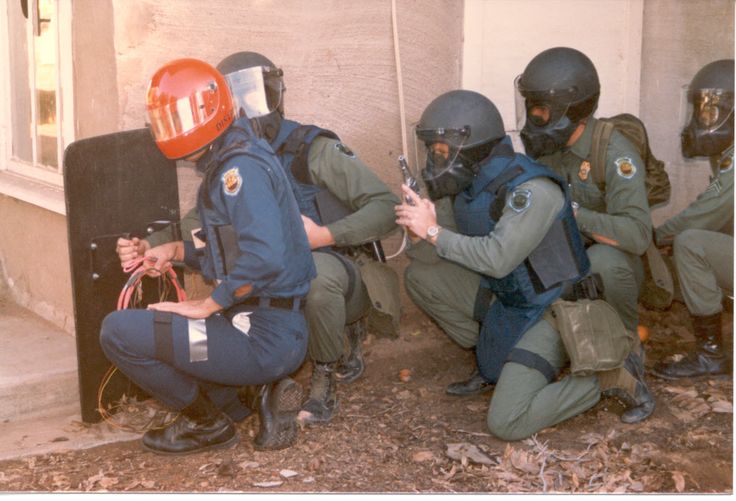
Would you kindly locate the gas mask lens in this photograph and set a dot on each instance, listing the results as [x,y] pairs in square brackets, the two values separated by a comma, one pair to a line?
[439,149]
[255,93]
[707,108]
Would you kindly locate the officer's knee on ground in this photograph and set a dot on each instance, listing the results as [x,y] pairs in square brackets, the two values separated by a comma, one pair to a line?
[502,425]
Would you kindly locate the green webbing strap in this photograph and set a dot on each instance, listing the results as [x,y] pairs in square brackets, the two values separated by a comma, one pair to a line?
[601,137]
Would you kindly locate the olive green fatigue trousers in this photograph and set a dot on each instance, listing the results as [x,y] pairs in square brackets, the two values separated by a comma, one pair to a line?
[704,263]
[623,276]
[524,402]
[329,308]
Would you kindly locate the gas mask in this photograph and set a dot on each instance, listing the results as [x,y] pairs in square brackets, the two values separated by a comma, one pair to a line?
[447,172]
[710,130]
[258,94]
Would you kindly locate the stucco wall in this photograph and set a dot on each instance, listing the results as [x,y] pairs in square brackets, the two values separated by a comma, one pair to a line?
[502,36]
[337,57]
[35,261]
[680,37]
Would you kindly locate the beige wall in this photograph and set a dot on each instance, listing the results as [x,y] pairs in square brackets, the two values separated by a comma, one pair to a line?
[337,57]
[35,261]
[680,37]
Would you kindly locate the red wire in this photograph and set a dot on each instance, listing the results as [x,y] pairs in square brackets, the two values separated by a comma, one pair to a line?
[137,271]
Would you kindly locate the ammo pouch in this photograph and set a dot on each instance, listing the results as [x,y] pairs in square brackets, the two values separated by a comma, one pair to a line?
[593,334]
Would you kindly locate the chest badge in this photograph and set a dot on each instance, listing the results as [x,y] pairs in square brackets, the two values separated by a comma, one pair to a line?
[520,200]
[584,171]
[231,182]
[625,167]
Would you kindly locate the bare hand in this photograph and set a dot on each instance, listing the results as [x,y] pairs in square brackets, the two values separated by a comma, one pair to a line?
[318,236]
[193,308]
[158,259]
[129,250]
[419,216]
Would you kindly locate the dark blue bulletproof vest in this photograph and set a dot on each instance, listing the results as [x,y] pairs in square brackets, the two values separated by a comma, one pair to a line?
[523,295]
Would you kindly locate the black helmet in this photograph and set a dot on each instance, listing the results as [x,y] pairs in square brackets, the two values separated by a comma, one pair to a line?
[257,87]
[467,125]
[710,96]
[560,87]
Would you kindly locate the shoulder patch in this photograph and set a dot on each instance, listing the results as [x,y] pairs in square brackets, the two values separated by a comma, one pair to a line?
[345,150]
[520,200]
[231,182]
[625,167]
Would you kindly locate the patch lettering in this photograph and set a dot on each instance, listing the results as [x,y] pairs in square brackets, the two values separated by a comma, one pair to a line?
[520,200]
[231,182]
[625,167]
[345,150]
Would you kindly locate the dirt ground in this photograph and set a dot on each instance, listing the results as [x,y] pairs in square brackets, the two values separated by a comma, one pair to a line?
[401,436]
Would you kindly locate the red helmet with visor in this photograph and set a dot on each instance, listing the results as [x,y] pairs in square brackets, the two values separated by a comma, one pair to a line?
[189,105]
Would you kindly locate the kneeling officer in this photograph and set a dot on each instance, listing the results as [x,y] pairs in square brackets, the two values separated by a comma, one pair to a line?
[515,248]
[192,356]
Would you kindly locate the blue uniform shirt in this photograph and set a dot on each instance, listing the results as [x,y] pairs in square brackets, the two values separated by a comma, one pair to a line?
[255,239]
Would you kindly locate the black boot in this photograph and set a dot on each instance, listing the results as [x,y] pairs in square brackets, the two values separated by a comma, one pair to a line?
[352,366]
[322,395]
[709,357]
[633,391]
[278,404]
[475,385]
[200,426]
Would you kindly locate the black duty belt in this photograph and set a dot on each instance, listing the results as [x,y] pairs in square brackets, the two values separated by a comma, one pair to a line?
[286,303]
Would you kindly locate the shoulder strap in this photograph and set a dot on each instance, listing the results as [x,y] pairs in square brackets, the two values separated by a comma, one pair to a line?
[601,137]
[499,187]
[298,144]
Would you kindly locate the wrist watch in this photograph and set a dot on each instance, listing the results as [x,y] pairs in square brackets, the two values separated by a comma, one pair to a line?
[432,233]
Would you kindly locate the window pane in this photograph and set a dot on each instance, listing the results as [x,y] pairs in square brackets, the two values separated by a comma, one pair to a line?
[45,59]
[20,101]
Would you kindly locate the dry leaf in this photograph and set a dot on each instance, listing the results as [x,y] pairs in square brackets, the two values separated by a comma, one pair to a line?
[272,483]
[288,473]
[420,456]
[722,406]
[679,481]
[464,451]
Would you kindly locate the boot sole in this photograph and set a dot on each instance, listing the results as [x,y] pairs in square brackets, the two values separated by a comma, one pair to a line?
[287,398]
[223,445]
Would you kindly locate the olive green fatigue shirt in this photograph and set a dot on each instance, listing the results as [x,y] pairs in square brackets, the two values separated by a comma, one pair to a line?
[620,217]
[515,236]
[712,210]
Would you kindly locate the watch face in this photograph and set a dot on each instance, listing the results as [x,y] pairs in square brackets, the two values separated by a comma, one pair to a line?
[432,231]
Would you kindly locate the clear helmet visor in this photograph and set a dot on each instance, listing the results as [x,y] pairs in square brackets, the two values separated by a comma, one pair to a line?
[183,115]
[257,91]
[536,107]
[707,109]
[438,150]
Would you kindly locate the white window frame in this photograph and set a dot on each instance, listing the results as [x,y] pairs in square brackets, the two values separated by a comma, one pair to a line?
[26,180]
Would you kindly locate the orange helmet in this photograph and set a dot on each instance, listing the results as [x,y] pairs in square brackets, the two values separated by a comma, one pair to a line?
[189,105]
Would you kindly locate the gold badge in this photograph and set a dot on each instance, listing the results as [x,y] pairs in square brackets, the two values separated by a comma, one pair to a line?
[584,170]
[625,167]
[231,181]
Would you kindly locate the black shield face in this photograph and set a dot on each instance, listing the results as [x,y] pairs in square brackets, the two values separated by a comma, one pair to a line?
[115,185]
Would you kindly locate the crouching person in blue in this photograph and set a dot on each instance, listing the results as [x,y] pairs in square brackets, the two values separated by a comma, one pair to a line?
[192,356]
[506,247]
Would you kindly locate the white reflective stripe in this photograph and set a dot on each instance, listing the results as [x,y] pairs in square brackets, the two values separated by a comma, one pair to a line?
[197,341]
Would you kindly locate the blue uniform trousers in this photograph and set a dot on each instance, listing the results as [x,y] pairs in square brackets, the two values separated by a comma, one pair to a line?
[273,348]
